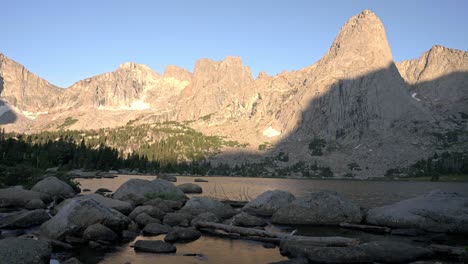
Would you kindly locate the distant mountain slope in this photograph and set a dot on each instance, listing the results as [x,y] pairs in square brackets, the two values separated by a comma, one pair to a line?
[356,101]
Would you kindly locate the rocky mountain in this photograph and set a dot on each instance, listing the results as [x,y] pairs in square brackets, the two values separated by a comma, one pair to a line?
[364,107]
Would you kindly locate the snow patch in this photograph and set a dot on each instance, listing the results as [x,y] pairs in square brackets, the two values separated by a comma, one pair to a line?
[414,97]
[271,132]
[33,115]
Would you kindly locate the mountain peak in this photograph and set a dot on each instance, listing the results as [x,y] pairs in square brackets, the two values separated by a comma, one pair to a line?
[176,72]
[134,66]
[361,43]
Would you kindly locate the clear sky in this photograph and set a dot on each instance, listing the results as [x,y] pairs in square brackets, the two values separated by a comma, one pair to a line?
[65,41]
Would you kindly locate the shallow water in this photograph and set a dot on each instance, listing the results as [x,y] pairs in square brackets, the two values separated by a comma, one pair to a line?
[214,250]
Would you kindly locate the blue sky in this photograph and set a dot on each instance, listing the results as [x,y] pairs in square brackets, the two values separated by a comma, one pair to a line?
[65,41]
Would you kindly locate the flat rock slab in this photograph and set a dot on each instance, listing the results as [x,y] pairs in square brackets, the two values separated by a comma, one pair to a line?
[154,246]
[437,211]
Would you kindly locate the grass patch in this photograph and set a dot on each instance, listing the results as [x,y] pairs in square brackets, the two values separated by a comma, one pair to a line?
[68,122]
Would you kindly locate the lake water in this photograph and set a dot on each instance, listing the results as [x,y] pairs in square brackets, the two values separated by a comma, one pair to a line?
[213,250]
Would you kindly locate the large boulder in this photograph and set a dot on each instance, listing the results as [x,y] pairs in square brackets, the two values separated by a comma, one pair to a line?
[190,188]
[319,208]
[138,191]
[79,214]
[198,205]
[152,211]
[121,206]
[371,252]
[267,203]
[245,219]
[437,211]
[154,246]
[35,204]
[24,219]
[165,205]
[99,232]
[19,197]
[54,187]
[24,250]
[177,219]
[168,177]
[144,219]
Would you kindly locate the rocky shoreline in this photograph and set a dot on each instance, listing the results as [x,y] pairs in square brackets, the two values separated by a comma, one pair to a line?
[51,218]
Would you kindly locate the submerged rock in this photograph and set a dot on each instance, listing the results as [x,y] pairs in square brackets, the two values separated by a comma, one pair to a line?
[77,215]
[138,191]
[437,211]
[319,208]
[24,250]
[54,187]
[200,180]
[267,203]
[154,246]
[190,188]
[24,219]
[198,205]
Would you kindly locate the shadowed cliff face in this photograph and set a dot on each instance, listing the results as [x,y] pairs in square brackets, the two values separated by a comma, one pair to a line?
[6,115]
[369,120]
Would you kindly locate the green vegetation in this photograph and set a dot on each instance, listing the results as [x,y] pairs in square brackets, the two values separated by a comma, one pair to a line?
[444,166]
[68,122]
[316,146]
[264,146]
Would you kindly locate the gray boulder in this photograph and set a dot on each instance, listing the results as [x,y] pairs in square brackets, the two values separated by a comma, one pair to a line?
[437,211]
[144,219]
[99,232]
[198,205]
[372,252]
[24,219]
[19,197]
[190,188]
[267,203]
[129,235]
[200,180]
[177,219]
[35,204]
[165,205]
[121,206]
[206,217]
[138,191]
[154,246]
[79,214]
[24,250]
[319,208]
[54,187]
[155,229]
[247,220]
[152,211]
[167,177]
[182,234]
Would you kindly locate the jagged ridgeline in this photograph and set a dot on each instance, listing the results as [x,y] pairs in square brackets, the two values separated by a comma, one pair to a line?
[147,147]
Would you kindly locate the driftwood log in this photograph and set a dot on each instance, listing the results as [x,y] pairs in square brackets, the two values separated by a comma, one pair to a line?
[273,237]
[367,228]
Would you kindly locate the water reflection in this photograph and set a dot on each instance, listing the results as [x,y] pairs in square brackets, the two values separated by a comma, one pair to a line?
[367,194]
